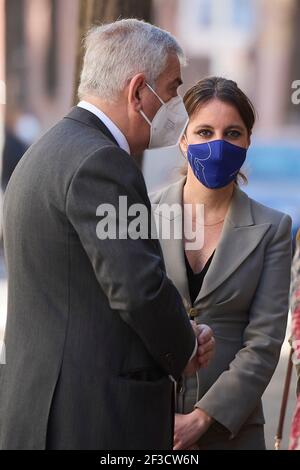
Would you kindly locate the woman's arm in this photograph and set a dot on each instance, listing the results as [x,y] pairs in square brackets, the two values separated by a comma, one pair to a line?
[295,308]
[295,311]
[237,392]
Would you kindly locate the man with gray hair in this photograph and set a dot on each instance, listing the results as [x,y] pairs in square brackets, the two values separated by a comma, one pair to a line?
[96,332]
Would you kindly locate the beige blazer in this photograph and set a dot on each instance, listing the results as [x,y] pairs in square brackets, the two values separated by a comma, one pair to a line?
[244,298]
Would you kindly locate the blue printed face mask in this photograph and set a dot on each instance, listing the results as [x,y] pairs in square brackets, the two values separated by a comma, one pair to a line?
[217,163]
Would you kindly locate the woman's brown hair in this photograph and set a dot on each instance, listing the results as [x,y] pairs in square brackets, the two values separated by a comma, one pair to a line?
[224,90]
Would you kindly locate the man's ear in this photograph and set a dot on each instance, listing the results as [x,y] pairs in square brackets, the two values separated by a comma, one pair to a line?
[136,88]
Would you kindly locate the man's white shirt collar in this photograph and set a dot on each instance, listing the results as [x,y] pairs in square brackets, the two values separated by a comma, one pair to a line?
[115,131]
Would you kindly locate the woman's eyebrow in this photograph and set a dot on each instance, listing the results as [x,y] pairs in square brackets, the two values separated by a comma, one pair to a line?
[207,126]
[235,126]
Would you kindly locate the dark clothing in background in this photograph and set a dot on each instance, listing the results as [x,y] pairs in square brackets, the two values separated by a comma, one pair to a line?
[13,151]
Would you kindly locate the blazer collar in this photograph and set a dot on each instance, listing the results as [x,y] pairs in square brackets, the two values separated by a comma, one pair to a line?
[90,119]
[240,236]
[239,214]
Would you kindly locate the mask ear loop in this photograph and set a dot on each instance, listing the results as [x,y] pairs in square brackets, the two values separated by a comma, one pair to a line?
[153,91]
[162,102]
[145,117]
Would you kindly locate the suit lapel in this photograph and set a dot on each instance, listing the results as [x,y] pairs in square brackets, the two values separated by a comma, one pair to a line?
[236,244]
[240,236]
[173,249]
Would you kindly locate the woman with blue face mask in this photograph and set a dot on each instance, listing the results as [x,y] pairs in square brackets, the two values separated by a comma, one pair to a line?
[236,281]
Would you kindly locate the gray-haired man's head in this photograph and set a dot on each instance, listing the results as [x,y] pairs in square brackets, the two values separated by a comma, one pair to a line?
[120,59]
[116,52]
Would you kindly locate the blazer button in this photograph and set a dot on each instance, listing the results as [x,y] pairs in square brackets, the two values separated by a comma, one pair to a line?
[193,312]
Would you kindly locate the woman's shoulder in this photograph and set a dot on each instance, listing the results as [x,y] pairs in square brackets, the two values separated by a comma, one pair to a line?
[261,214]
[265,214]
[172,190]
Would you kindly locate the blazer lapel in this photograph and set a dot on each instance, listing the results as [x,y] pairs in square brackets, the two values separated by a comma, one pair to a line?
[173,249]
[240,236]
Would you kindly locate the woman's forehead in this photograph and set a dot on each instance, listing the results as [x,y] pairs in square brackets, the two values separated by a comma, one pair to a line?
[216,112]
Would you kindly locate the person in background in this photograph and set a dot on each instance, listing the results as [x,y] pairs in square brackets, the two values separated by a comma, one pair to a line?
[237,282]
[295,312]
[21,130]
[13,151]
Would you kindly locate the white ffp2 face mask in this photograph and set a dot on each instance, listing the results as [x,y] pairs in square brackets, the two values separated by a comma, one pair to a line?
[168,124]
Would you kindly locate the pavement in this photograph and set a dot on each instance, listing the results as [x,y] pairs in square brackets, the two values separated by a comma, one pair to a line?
[272,396]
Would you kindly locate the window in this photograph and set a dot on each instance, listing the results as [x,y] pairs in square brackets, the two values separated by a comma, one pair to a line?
[204,9]
[242,14]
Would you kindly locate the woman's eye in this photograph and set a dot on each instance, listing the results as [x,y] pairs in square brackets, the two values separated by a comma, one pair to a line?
[204,133]
[233,134]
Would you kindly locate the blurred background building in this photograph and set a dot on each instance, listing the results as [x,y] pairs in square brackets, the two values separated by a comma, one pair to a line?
[255,42]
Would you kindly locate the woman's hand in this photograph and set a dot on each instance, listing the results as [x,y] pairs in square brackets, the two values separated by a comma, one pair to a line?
[189,428]
[205,349]
[206,345]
